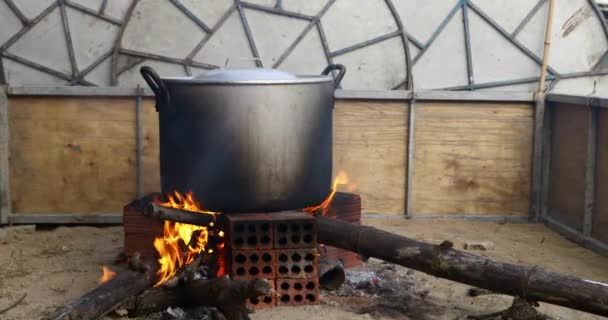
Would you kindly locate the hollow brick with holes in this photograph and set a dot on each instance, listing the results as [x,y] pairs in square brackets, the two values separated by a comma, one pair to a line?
[297,292]
[249,231]
[269,301]
[297,263]
[252,264]
[294,230]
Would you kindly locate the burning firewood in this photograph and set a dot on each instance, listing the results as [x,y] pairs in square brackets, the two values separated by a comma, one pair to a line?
[530,283]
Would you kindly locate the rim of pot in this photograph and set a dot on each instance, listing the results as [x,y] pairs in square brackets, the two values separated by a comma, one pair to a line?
[298,80]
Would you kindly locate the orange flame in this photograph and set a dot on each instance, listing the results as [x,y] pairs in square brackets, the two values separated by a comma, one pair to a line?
[182,243]
[341,179]
[107,275]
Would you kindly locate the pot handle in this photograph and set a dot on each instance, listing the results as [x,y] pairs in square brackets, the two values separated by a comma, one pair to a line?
[342,70]
[158,87]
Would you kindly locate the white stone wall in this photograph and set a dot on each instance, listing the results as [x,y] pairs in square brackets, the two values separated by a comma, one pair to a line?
[104,42]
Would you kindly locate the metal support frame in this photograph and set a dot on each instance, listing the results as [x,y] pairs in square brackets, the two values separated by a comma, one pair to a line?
[139,143]
[411,157]
[467,41]
[537,157]
[590,166]
[5,201]
[546,163]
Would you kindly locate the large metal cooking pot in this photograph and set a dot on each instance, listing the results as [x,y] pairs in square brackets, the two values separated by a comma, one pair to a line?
[247,140]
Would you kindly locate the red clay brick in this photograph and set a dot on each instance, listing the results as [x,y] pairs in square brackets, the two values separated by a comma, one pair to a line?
[269,301]
[297,292]
[294,230]
[248,231]
[297,263]
[252,264]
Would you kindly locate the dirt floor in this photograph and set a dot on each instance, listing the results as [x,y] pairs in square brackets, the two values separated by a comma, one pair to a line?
[53,266]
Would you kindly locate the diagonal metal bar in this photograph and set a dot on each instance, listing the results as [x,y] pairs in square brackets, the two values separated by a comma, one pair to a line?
[507,36]
[29,26]
[302,34]
[117,43]
[528,17]
[252,46]
[191,15]
[366,43]
[208,36]
[600,16]
[128,66]
[603,60]
[24,20]
[276,10]
[91,12]
[36,66]
[324,43]
[467,41]
[157,57]
[68,37]
[406,48]
[415,41]
[90,68]
[102,8]
[437,31]
[494,84]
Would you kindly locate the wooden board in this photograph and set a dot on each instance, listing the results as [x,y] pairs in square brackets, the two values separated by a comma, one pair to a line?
[71,154]
[370,143]
[472,158]
[151,154]
[566,199]
[599,229]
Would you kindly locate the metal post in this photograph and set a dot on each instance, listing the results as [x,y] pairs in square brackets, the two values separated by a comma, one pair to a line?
[546,160]
[139,136]
[537,156]
[5,203]
[590,166]
[411,150]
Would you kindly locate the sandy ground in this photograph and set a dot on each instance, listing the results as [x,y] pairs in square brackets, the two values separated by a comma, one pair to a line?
[55,265]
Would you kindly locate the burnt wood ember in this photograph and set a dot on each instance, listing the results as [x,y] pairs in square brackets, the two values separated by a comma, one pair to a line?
[528,282]
[225,294]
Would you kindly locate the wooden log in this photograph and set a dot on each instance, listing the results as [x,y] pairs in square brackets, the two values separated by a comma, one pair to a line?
[177,215]
[225,294]
[529,282]
[105,297]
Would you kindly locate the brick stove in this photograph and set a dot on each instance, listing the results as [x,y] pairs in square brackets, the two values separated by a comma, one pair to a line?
[280,247]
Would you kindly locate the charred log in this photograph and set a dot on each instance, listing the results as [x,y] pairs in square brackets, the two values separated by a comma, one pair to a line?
[331,273]
[224,294]
[106,297]
[529,282]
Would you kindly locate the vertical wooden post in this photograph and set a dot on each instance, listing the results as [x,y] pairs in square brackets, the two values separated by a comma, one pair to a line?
[590,171]
[5,203]
[139,136]
[411,150]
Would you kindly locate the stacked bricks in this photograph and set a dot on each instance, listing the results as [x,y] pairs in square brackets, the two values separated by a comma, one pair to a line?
[279,247]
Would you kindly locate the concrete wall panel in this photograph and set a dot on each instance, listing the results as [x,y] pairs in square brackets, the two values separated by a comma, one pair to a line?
[94,37]
[310,49]
[32,8]
[10,24]
[421,18]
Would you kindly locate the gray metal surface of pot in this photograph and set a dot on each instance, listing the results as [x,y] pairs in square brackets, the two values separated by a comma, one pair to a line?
[247,140]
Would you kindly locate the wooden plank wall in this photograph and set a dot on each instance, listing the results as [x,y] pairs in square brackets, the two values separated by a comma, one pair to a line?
[473,158]
[566,198]
[599,229]
[370,143]
[71,155]
[77,155]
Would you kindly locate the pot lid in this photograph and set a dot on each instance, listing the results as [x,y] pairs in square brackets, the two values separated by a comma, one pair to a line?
[249,76]
[241,74]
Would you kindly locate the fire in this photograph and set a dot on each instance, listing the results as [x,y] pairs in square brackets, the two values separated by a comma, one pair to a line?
[341,179]
[182,243]
[107,275]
